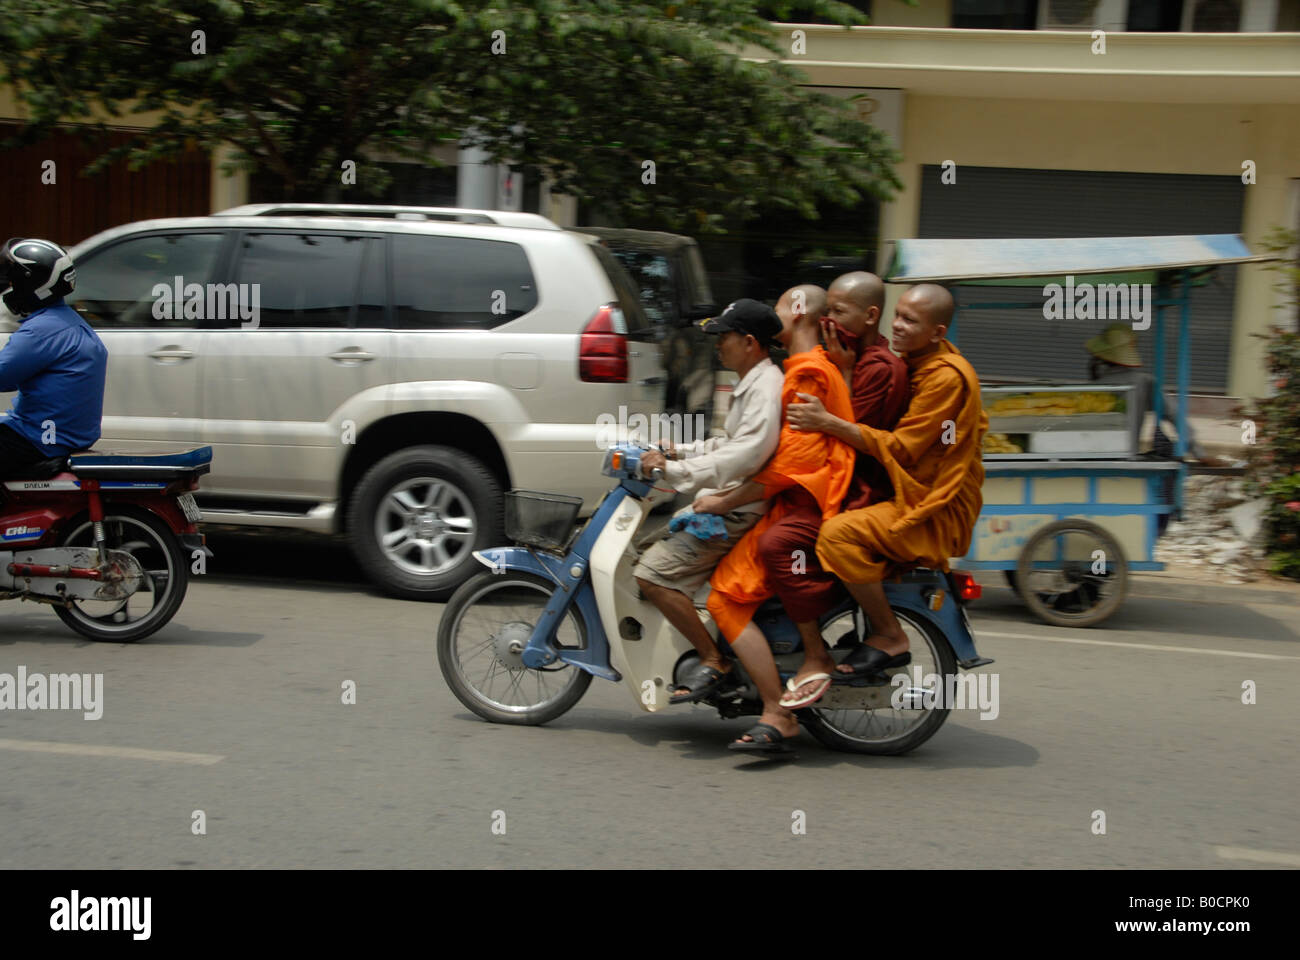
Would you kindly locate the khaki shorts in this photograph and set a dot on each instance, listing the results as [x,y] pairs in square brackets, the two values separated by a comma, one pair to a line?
[682,561]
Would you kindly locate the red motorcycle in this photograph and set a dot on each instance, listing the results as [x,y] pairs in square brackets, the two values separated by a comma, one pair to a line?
[106,539]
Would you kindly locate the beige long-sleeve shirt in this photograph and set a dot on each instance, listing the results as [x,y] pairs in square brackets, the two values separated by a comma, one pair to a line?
[753,427]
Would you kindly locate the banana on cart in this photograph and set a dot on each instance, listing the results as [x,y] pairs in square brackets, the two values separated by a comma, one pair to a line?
[1000,443]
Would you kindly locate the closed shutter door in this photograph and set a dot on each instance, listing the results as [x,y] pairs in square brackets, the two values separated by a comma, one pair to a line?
[1002,202]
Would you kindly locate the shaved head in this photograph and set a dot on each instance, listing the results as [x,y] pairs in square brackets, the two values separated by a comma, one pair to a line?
[813,297]
[922,317]
[863,289]
[935,302]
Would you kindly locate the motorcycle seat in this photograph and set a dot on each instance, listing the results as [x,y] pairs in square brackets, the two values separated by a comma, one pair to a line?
[92,465]
[40,470]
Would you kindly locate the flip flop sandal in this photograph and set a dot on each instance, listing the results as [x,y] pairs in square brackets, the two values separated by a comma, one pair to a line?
[867,660]
[699,683]
[824,679]
[767,739]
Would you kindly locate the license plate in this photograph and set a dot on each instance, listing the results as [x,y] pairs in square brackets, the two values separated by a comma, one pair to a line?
[189,507]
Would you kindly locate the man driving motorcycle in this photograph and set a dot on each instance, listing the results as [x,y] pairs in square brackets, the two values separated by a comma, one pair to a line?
[55,361]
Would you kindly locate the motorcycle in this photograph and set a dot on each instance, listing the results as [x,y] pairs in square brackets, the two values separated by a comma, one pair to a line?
[549,615]
[106,539]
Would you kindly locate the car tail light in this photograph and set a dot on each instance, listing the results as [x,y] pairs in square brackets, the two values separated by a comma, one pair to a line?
[602,348]
[966,587]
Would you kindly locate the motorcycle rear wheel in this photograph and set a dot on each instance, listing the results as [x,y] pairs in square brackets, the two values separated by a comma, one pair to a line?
[885,732]
[480,636]
[161,557]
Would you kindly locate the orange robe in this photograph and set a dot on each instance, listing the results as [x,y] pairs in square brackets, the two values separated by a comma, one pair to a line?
[933,458]
[813,461]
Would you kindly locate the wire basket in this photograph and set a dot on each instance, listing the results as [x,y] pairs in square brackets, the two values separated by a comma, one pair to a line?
[542,520]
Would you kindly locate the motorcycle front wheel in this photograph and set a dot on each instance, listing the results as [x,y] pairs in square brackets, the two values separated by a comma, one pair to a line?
[481,638]
[885,731]
[166,576]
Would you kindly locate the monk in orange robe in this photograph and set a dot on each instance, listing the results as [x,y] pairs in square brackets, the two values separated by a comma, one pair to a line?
[933,458]
[808,472]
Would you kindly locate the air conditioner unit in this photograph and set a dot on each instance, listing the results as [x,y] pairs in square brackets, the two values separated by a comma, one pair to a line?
[1069,14]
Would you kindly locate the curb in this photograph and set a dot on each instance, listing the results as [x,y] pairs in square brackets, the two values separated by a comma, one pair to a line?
[1207,591]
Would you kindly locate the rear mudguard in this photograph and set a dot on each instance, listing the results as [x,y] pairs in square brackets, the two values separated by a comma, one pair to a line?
[947,620]
[595,658]
[910,595]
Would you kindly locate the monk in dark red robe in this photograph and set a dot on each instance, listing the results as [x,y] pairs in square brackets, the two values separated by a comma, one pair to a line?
[934,464]
[878,383]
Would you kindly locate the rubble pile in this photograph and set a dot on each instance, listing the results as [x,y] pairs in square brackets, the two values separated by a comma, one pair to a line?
[1207,535]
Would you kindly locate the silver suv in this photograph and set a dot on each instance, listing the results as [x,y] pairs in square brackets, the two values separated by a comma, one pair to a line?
[383,371]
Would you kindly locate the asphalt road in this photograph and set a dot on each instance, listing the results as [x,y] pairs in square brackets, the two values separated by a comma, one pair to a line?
[236,710]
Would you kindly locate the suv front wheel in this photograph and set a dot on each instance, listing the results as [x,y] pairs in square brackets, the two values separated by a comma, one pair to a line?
[416,517]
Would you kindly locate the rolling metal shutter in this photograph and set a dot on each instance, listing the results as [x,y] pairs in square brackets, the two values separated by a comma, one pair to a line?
[1007,202]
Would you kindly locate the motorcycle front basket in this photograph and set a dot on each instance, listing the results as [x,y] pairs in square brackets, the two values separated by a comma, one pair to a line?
[542,520]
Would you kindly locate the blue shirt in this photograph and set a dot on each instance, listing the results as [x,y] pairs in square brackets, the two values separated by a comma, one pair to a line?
[58,365]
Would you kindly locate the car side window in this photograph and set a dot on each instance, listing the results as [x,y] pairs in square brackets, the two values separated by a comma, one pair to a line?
[454,283]
[134,282]
[301,279]
[653,274]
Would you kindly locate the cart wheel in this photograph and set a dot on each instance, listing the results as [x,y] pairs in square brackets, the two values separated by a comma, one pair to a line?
[1072,573]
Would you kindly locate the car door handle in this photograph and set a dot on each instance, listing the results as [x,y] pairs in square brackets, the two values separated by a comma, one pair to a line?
[171,354]
[351,354]
[652,381]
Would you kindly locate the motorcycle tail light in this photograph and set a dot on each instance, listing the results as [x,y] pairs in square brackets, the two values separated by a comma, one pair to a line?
[966,587]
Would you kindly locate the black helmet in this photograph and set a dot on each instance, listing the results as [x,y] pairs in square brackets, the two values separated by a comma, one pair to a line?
[34,274]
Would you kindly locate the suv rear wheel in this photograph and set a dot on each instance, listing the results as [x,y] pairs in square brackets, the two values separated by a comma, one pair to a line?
[416,517]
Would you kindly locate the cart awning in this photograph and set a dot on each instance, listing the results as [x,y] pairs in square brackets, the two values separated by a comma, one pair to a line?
[976,261]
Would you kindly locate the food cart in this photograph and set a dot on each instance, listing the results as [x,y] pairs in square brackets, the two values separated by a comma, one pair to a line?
[1070,504]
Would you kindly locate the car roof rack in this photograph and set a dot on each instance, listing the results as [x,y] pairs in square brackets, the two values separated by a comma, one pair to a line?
[500,218]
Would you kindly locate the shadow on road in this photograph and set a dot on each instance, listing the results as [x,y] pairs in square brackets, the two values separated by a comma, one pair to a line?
[700,736]
[1168,617]
[249,553]
[46,628]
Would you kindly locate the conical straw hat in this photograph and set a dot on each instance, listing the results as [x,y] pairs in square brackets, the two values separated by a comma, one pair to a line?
[1117,345]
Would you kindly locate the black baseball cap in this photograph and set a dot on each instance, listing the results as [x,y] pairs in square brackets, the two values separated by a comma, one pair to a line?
[746,316]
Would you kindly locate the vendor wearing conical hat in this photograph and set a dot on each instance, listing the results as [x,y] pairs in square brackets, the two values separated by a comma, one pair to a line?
[1115,360]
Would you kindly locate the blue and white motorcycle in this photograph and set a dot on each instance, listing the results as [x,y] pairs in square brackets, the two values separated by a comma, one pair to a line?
[520,642]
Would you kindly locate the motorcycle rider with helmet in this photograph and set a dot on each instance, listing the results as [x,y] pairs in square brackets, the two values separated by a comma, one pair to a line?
[55,361]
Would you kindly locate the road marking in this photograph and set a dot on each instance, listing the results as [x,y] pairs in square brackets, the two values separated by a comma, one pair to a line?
[123,753]
[1259,856]
[1136,646]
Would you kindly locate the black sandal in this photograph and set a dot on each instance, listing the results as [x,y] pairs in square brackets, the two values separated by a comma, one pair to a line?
[766,739]
[867,661]
[699,683]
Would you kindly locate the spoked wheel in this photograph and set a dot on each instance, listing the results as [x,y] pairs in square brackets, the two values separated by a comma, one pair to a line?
[166,576]
[886,729]
[481,639]
[1072,573]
